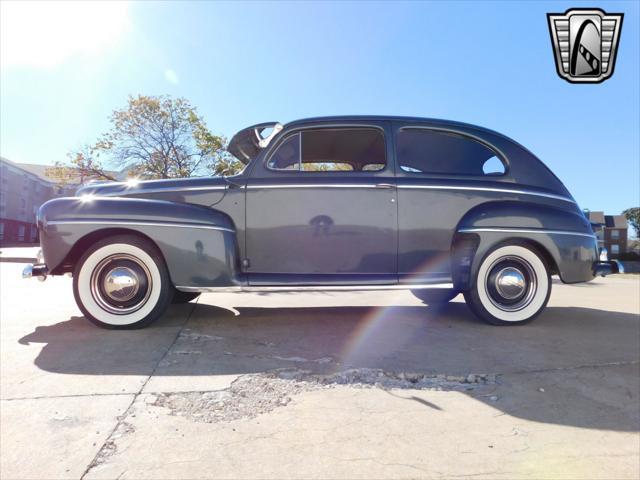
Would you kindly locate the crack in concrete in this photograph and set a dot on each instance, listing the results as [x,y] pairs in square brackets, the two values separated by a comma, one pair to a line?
[121,427]
[77,395]
[574,367]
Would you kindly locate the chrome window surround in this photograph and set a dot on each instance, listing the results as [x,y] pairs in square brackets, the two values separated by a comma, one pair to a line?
[525,230]
[299,130]
[139,224]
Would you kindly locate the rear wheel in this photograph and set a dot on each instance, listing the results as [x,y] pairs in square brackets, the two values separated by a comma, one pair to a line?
[512,286]
[122,282]
[435,296]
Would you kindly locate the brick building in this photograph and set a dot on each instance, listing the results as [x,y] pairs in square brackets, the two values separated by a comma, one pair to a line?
[23,188]
[611,232]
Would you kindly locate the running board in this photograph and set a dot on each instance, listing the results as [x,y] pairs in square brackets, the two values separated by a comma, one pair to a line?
[314,288]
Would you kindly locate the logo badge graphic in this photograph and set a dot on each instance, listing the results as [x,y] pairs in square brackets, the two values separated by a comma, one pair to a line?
[585,42]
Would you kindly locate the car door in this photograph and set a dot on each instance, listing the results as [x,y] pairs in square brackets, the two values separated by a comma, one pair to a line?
[442,173]
[321,208]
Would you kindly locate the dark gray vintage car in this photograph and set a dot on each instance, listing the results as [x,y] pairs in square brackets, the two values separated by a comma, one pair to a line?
[339,203]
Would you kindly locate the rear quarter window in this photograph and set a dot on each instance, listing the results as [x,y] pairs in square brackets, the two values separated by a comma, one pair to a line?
[435,152]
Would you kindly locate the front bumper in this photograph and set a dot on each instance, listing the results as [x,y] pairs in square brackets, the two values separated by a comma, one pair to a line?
[38,269]
[602,269]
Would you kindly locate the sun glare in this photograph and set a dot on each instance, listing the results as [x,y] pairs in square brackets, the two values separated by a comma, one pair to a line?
[45,33]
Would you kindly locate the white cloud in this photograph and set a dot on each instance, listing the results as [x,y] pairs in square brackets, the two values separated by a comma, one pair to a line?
[171,76]
[43,34]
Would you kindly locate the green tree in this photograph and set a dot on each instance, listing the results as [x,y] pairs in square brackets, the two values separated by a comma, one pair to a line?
[633,217]
[83,165]
[224,164]
[154,137]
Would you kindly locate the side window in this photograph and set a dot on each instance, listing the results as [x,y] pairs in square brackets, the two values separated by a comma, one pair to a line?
[331,150]
[429,151]
[287,156]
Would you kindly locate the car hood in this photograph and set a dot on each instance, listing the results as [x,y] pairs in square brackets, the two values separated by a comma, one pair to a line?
[152,187]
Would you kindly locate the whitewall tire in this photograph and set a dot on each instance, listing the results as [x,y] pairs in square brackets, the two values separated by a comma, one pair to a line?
[122,282]
[512,286]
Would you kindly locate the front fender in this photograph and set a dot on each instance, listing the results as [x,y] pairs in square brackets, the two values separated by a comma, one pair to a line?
[198,243]
[564,236]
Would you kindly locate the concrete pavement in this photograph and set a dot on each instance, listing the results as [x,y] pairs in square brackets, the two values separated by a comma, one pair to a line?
[324,385]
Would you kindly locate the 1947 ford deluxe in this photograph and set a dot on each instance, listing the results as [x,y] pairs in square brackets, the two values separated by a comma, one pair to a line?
[339,203]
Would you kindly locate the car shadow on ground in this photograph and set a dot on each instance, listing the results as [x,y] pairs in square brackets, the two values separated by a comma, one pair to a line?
[584,360]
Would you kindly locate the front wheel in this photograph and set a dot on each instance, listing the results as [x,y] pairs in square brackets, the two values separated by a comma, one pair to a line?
[122,282]
[512,286]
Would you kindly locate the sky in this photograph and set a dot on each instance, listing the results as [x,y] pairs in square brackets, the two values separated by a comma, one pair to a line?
[66,66]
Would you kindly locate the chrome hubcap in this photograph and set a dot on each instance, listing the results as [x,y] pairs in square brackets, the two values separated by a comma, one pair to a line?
[510,283]
[121,284]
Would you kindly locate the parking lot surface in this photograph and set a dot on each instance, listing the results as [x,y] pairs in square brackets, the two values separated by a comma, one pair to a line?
[320,385]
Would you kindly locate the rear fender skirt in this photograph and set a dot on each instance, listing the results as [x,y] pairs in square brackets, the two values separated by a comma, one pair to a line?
[199,244]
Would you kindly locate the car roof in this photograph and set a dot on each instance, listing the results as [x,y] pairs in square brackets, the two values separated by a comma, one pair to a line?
[390,118]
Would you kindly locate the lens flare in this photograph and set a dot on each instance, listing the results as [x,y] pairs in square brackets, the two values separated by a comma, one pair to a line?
[379,332]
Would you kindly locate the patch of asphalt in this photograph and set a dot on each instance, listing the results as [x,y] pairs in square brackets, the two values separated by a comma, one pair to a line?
[255,394]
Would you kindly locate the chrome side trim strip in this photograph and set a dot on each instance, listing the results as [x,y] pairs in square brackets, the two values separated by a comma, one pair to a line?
[140,191]
[315,185]
[487,189]
[415,187]
[315,288]
[525,230]
[140,224]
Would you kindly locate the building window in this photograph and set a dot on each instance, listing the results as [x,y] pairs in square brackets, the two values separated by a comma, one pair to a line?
[1,231]
[615,249]
[615,234]
[34,233]
[21,230]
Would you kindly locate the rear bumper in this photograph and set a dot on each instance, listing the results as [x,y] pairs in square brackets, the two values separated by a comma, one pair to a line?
[38,270]
[602,269]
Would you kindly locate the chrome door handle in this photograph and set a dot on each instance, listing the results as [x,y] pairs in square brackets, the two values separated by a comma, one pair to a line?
[384,185]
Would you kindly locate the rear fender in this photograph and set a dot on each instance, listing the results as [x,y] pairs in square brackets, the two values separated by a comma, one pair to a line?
[563,237]
[199,244]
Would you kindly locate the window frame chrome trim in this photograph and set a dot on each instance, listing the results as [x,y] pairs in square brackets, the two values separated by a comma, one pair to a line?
[525,230]
[139,224]
[298,131]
